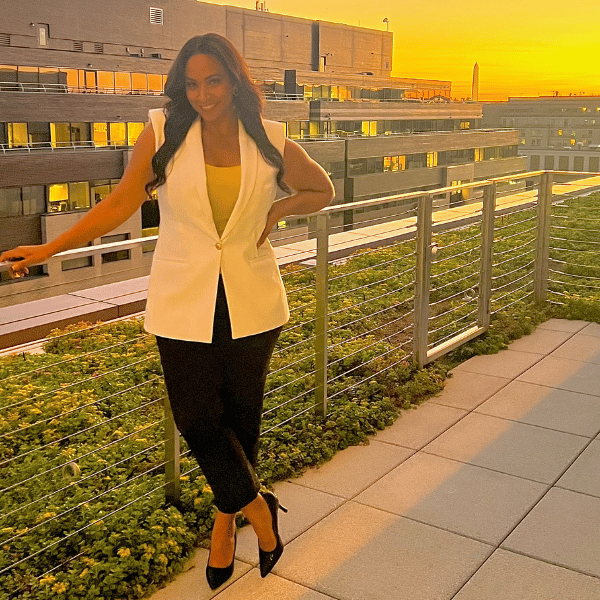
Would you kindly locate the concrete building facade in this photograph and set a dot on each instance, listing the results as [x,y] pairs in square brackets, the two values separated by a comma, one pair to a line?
[77,81]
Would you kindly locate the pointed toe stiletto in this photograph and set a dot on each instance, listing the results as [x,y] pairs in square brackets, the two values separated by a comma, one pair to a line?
[217,576]
[269,559]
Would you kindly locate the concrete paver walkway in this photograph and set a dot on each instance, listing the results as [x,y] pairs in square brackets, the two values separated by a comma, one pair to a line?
[488,491]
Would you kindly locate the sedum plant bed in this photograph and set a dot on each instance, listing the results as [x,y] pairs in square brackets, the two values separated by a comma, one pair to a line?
[82,501]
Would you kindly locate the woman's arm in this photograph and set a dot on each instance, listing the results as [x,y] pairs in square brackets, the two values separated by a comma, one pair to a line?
[314,189]
[115,209]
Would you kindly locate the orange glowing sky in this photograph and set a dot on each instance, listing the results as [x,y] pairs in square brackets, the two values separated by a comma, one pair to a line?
[523,47]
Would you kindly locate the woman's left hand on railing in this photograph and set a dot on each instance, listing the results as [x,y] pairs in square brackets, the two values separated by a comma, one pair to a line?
[23,256]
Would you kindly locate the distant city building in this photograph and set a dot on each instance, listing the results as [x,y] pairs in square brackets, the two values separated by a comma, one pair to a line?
[555,132]
[475,85]
[77,81]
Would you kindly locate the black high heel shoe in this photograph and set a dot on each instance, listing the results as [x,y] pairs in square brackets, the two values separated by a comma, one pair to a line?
[217,576]
[268,559]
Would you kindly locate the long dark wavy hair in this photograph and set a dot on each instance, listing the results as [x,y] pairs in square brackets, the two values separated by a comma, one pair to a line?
[248,102]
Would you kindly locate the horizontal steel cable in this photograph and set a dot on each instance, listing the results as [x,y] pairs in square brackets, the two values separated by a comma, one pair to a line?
[307,304]
[503,262]
[347,373]
[494,312]
[368,316]
[78,408]
[454,309]
[362,287]
[468,251]
[576,250]
[293,364]
[298,271]
[66,387]
[496,300]
[512,282]
[448,298]
[477,236]
[448,337]
[270,410]
[289,419]
[362,381]
[72,435]
[576,241]
[446,325]
[514,224]
[571,228]
[454,281]
[66,537]
[301,289]
[74,358]
[435,275]
[281,387]
[347,308]
[282,350]
[514,235]
[573,274]
[572,264]
[580,285]
[513,248]
[376,266]
[83,503]
[80,481]
[519,268]
[369,346]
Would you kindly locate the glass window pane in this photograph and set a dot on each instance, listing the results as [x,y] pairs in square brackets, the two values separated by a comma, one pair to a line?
[117,134]
[80,132]
[48,76]
[34,200]
[155,83]
[100,134]
[10,202]
[79,195]
[106,80]
[38,132]
[123,81]
[8,73]
[60,134]
[72,81]
[17,135]
[27,74]
[99,192]
[58,196]
[90,80]
[133,132]
[138,82]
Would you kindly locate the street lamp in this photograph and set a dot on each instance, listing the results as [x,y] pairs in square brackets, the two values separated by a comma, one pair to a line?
[387,23]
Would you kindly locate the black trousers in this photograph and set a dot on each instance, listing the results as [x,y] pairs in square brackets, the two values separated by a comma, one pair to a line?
[216,393]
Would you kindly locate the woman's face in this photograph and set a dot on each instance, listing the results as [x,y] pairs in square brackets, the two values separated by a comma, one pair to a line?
[208,88]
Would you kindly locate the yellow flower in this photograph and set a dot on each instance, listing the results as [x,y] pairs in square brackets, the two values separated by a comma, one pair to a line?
[59,588]
[123,552]
[84,573]
[163,559]
[48,580]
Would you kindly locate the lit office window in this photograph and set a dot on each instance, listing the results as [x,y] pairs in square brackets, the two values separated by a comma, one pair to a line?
[117,134]
[60,134]
[432,159]
[106,81]
[17,135]
[79,195]
[58,197]
[133,132]
[100,134]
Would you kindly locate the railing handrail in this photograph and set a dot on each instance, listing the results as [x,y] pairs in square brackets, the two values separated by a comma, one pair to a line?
[129,244]
[62,146]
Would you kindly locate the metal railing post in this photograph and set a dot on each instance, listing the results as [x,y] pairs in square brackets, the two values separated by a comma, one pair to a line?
[321,276]
[422,279]
[487,247]
[172,470]
[542,242]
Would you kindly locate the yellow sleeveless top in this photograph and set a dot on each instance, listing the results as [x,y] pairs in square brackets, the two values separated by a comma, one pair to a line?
[223,187]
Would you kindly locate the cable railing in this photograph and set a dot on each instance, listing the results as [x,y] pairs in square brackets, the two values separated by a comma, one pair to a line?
[86,430]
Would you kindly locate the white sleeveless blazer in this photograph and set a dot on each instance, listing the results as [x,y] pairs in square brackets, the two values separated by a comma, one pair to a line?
[190,254]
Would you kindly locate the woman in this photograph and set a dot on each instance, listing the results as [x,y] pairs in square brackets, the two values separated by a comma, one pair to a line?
[216,302]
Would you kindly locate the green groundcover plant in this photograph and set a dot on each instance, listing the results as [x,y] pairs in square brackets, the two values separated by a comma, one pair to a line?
[83,513]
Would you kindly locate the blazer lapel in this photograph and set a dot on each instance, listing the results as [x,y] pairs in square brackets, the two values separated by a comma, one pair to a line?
[249,161]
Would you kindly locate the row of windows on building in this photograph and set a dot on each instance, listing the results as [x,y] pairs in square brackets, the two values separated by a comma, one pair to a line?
[562,163]
[383,164]
[124,82]
[57,135]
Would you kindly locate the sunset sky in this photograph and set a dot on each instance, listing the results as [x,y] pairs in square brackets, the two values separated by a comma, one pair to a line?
[523,47]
